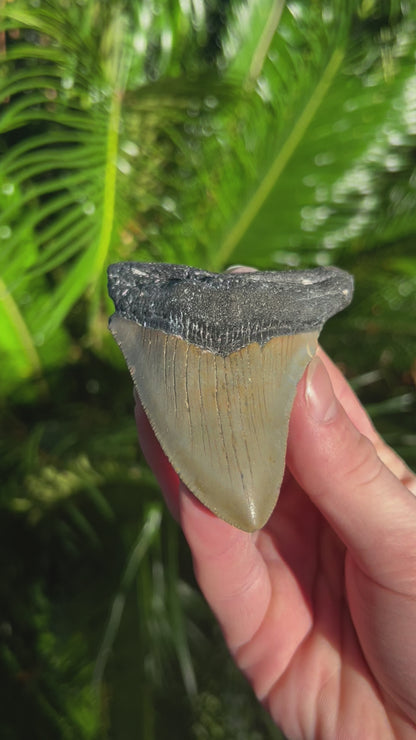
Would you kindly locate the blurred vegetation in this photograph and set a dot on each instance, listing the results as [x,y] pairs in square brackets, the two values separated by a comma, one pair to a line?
[206,132]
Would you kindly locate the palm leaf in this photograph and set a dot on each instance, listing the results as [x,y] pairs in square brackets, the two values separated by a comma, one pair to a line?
[333,165]
[65,167]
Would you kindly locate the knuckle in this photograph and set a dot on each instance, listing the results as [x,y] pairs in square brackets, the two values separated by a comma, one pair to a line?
[364,465]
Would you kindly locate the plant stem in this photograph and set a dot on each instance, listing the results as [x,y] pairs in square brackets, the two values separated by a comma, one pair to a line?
[110,179]
[22,333]
[280,162]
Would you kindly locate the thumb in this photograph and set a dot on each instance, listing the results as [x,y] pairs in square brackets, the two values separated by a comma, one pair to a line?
[373,513]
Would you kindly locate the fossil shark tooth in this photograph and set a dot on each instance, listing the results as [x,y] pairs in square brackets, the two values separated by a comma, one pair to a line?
[215,359]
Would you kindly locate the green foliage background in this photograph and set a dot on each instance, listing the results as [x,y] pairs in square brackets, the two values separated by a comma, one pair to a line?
[262,132]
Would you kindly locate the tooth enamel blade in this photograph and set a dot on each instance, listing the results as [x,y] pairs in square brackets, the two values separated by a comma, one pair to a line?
[222,421]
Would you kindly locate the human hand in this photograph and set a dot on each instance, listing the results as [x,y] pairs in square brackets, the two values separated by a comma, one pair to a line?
[319,607]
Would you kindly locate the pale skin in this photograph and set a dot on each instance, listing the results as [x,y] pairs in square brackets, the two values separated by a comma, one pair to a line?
[319,607]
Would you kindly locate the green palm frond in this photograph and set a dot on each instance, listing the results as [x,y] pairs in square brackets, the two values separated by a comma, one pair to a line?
[303,56]
[67,77]
[332,167]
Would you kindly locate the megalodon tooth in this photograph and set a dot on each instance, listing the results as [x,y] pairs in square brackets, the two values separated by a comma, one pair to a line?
[216,359]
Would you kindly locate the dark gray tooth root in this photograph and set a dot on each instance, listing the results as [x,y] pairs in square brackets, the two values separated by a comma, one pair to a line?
[215,359]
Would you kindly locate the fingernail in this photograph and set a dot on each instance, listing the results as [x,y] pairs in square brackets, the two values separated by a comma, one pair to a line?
[240,268]
[319,394]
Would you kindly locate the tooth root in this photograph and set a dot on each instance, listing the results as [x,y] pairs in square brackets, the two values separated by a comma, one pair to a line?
[222,421]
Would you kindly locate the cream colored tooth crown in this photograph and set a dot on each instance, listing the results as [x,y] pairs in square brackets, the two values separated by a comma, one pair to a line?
[221,411]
